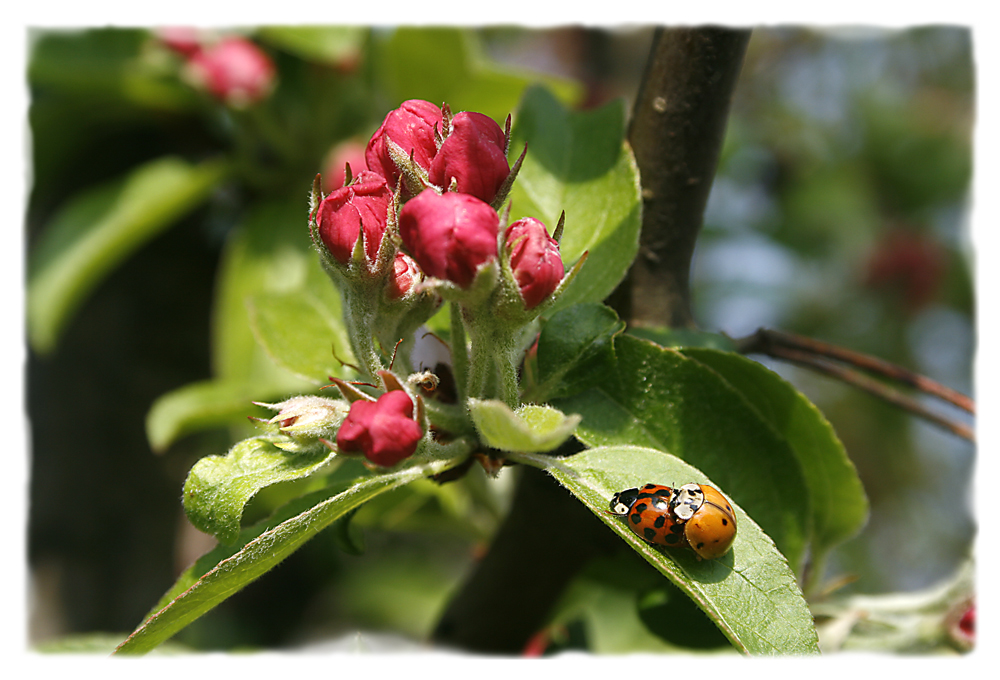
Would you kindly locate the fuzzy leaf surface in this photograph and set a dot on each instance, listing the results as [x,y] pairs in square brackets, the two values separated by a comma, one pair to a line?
[263,551]
[218,487]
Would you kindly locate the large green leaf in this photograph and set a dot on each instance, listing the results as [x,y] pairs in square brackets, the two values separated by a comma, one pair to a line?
[198,591]
[302,332]
[269,252]
[839,505]
[101,227]
[580,163]
[750,592]
[445,64]
[646,395]
[570,343]
[219,487]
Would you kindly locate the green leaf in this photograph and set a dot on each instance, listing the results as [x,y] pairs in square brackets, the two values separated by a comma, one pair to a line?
[188,599]
[443,64]
[839,504]
[529,428]
[301,332]
[323,44]
[750,592]
[570,342]
[646,395]
[101,227]
[580,163]
[219,487]
[269,252]
[683,337]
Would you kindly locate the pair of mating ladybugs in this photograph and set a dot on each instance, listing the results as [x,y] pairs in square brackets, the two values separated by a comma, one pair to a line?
[696,515]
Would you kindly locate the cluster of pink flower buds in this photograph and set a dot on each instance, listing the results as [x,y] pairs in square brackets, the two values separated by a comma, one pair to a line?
[448,172]
[233,69]
[433,183]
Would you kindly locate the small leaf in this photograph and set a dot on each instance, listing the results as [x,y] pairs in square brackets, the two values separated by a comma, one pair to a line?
[197,591]
[101,227]
[218,487]
[644,395]
[530,428]
[839,505]
[570,341]
[750,592]
[580,163]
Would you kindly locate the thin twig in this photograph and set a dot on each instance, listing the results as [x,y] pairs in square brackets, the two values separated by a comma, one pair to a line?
[771,337]
[816,355]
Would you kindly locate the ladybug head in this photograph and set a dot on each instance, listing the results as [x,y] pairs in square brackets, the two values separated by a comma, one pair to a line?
[622,501]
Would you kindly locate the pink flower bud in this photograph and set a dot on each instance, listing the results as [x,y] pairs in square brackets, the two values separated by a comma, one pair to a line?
[411,126]
[449,235]
[364,204]
[405,275]
[473,155]
[384,430]
[534,259]
[235,70]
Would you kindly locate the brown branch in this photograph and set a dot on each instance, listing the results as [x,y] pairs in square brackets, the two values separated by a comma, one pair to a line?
[676,134]
[816,355]
[767,337]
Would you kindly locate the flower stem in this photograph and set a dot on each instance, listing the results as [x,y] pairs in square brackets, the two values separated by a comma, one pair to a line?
[459,353]
[359,317]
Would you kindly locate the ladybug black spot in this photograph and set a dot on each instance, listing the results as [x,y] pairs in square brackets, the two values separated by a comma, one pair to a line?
[725,522]
[672,539]
[677,528]
[660,521]
[700,546]
[650,534]
[635,519]
[640,508]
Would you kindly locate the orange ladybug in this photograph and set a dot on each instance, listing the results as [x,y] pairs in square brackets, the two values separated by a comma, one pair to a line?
[648,514]
[696,515]
[708,519]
